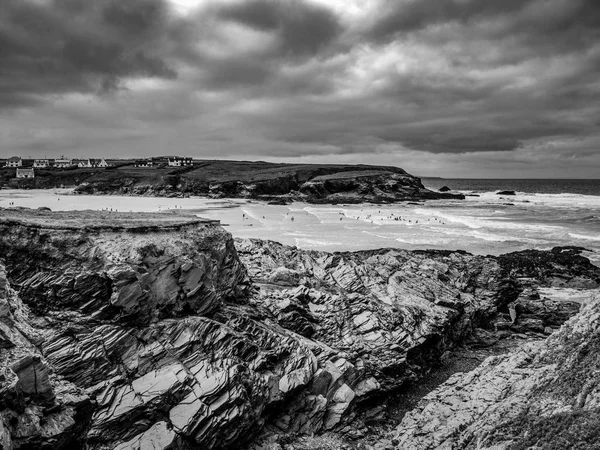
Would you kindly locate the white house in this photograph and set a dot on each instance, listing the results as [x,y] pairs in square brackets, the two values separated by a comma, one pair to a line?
[85,163]
[144,163]
[14,161]
[41,163]
[63,163]
[179,161]
[25,173]
[102,163]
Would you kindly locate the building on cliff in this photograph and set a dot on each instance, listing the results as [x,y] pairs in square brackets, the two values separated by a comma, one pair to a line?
[85,163]
[63,163]
[180,161]
[102,163]
[14,161]
[144,164]
[25,173]
[41,163]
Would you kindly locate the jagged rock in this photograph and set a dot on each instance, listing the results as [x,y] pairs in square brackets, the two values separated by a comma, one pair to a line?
[545,395]
[560,267]
[163,334]
[33,376]
[444,189]
[37,409]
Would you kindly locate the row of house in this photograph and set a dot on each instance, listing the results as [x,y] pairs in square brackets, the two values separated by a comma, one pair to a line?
[64,163]
[171,161]
[60,163]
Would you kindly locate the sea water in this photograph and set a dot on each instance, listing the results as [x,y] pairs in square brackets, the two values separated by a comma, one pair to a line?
[541,215]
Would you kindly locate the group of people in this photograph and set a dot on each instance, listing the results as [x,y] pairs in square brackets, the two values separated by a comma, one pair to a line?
[391,217]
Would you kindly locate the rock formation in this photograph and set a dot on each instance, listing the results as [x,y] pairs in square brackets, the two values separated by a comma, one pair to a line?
[267,181]
[546,395]
[142,331]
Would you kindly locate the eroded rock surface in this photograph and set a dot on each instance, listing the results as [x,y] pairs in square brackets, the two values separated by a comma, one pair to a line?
[545,395]
[160,334]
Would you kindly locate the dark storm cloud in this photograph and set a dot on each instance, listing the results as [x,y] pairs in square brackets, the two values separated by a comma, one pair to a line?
[534,19]
[302,28]
[65,46]
[293,32]
[410,15]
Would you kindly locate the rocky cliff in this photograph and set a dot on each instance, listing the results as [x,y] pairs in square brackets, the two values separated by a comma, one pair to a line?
[545,395]
[268,181]
[152,331]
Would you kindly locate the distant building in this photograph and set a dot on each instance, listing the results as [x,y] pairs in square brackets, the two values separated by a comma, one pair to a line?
[102,163]
[85,163]
[25,173]
[179,161]
[41,163]
[14,161]
[63,163]
[144,163]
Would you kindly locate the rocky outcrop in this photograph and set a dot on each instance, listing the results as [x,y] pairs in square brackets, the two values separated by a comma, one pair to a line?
[154,331]
[394,314]
[376,186]
[312,183]
[37,408]
[545,395]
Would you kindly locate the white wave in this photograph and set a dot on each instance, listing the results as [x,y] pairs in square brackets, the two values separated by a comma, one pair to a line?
[306,242]
[586,237]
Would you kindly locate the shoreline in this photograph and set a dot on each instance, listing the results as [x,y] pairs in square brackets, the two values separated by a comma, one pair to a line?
[479,225]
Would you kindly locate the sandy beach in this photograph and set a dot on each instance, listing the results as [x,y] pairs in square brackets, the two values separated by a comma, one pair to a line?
[481,225]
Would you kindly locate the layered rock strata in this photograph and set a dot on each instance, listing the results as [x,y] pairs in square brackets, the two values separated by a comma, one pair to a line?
[544,395]
[153,331]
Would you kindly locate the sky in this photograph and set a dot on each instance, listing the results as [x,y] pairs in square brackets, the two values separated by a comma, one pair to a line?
[449,88]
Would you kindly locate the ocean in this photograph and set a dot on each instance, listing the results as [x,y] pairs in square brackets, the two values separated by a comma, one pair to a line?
[532,186]
[543,214]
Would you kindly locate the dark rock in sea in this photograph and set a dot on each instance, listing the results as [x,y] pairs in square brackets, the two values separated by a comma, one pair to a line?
[158,331]
[472,195]
[506,193]
[444,189]
[508,204]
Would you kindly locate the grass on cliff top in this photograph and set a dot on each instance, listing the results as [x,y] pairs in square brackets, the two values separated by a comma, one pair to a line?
[222,171]
[90,220]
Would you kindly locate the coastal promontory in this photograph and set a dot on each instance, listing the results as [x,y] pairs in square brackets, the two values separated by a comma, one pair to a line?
[314,183]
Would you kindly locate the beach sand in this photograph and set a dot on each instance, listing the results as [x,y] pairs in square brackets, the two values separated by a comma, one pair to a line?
[478,226]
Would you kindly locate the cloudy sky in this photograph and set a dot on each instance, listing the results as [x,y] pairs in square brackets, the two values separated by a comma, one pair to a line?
[457,88]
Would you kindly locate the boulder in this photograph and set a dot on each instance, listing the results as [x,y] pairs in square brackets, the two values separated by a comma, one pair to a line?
[33,376]
[506,193]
